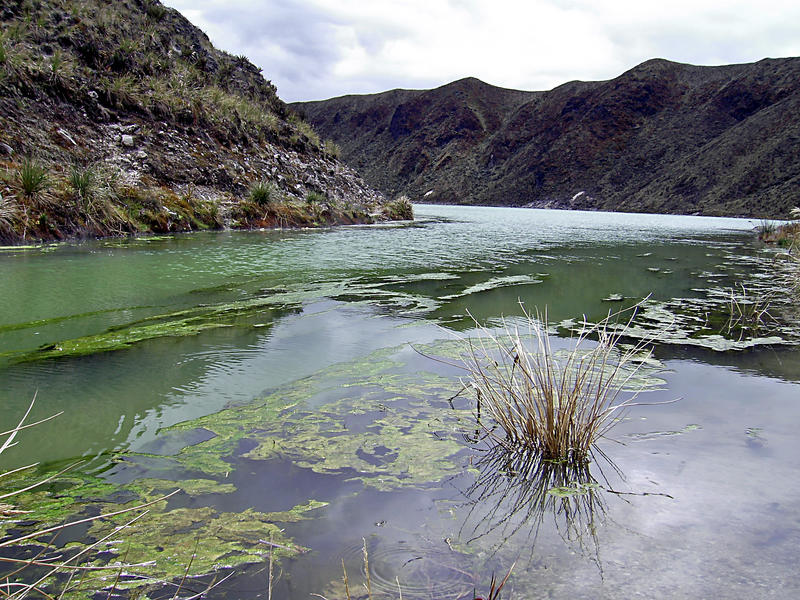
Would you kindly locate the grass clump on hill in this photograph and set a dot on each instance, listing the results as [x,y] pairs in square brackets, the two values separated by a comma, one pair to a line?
[400,208]
[262,193]
[144,58]
[32,178]
[82,182]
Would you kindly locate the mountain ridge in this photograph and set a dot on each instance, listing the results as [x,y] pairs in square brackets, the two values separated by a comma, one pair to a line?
[661,137]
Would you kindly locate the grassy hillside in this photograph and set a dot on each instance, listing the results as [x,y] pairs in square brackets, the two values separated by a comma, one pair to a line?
[120,116]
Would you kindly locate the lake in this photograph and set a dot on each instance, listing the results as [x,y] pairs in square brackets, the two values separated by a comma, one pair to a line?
[301,391]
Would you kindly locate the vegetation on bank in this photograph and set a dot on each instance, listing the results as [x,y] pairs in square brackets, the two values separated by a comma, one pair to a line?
[56,202]
[785,234]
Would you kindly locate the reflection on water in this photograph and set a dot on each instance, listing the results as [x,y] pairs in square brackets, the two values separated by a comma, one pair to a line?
[515,491]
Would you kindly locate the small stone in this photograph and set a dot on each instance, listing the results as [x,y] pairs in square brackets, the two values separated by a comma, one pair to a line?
[141,154]
[93,95]
[127,141]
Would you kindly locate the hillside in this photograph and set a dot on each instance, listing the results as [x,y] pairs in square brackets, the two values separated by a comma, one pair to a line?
[120,117]
[663,137]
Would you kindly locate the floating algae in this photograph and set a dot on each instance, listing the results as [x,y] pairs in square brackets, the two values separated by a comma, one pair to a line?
[654,435]
[258,311]
[176,324]
[390,429]
[164,542]
[207,540]
[494,283]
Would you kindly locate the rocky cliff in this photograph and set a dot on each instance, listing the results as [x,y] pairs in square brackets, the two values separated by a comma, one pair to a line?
[119,117]
[662,137]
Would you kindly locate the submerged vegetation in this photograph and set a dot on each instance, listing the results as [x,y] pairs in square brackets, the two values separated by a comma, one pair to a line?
[33,564]
[749,315]
[135,539]
[408,437]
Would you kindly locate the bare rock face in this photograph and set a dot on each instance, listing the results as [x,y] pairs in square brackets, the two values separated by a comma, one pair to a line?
[662,137]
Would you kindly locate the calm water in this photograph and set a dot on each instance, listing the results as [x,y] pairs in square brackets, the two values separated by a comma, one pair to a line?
[332,329]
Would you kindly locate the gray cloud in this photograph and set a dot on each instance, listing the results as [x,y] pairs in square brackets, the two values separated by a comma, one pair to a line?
[314,49]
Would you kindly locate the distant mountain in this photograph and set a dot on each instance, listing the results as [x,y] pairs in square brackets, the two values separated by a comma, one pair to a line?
[663,137]
[120,117]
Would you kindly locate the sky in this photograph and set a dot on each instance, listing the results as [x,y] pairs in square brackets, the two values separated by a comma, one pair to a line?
[318,49]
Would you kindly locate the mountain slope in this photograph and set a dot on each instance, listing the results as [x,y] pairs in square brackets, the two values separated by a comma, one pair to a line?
[662,137]
[131,120]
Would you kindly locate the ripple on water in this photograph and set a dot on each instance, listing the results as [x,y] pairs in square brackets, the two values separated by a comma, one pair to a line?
[423,570]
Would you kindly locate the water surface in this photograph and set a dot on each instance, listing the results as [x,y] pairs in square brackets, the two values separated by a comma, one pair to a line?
[314,345]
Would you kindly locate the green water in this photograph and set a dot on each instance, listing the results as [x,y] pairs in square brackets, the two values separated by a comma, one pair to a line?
[268,369]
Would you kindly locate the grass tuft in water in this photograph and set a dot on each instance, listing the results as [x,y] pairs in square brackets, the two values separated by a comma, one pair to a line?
[748,314]
[553,404]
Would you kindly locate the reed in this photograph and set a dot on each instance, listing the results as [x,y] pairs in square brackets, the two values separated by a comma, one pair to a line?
[748,314]
[554,404]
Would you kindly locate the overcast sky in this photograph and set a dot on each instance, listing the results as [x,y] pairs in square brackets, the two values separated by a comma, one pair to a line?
[316,49]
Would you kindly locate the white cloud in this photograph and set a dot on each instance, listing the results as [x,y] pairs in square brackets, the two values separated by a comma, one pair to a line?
[322,48]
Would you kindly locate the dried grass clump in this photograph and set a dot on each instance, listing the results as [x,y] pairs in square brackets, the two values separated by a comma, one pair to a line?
[554,404]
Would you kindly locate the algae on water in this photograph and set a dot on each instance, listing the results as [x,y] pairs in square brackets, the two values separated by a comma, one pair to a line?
[407,433]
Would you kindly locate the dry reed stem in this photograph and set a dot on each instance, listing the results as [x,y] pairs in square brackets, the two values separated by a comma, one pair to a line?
[366,570]
[269,584]
[346,584]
